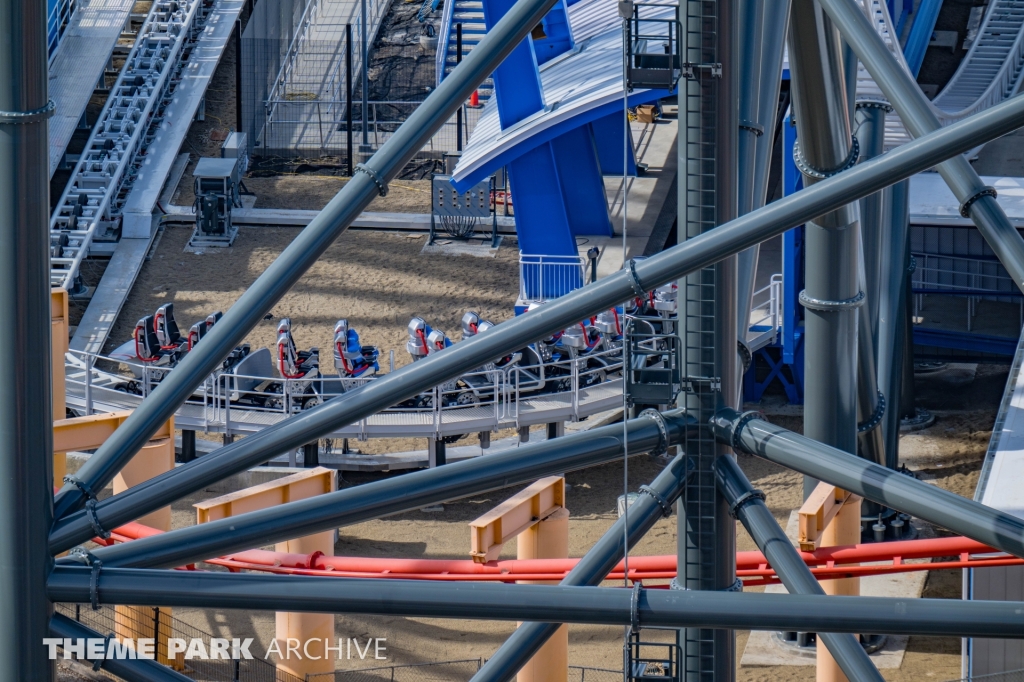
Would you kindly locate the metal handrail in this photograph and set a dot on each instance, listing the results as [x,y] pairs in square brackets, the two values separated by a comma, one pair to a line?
[445,29]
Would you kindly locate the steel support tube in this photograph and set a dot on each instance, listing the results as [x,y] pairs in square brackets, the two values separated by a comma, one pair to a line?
[26,419]
[749,507]
[129,669]
[654,502]
[399,494]
[874,210]
[832,293]
[752,129]
[891,314]
[547,603]
[772,42]
[752,435]
[304,250]
[511,335]
[919,118]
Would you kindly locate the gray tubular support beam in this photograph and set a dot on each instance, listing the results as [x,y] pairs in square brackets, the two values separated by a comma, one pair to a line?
[655,501]
[772,41]
[398,494]
[891,315]
[511,335]
[873,212]
[26,412]
[303,251]
[918,116]
[752,129]
[132,670]
[748,506]
[548,603]
[832,295]
[750,434]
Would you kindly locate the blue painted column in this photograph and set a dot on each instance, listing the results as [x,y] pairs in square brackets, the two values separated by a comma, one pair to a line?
[558,188]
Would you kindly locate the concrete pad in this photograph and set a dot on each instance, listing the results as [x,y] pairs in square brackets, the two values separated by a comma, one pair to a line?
[765,648]
[478,247]
[656,147]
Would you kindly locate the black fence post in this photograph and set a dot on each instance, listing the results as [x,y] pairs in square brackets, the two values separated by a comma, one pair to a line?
[458,114]
[238,75]
[348,95]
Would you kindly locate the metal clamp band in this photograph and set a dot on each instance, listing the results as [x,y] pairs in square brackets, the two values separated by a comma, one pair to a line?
[743,499]
[811,172]
[875,419]
[662,447]
[84,556]
[634,280]
[744,419]
[98,663]
[662,502]
[94,519]
[912,266]
[735,587]
[752,127]
[86,490]
[23,117]
[875,104]
[382,186]
[965,208]
[634,608]
[831,306]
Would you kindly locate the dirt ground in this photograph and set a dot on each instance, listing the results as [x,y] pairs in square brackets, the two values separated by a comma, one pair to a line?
[379,280]
[948,454]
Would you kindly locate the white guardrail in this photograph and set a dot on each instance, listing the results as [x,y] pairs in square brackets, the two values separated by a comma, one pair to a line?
[488,399]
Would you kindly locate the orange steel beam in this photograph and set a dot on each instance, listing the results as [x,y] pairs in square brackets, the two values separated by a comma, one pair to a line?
[513,516]
[90,432]
[300,486]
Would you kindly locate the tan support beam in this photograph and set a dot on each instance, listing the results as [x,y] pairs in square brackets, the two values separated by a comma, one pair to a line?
[536,516]
[830,517]
[90,432]
[510,518]
[304,627]
[817,512]
[155,458]
[58,348]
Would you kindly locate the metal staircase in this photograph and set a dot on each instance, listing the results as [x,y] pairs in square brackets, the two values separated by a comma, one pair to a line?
[990,73]
[469,13]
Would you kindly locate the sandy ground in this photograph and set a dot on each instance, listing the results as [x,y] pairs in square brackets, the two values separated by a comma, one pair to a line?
[948,455]
[380,280]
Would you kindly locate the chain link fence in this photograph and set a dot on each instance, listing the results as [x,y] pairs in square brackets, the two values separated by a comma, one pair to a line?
[318,129]
[1010,676]
[137,622]
[448,671]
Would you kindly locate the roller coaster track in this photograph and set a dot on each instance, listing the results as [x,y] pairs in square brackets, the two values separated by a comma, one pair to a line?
[92,201]
[991,72]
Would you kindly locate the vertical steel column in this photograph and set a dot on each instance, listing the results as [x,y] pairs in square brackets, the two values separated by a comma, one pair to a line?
[891,316]
[708,131]
[752,129]
[874,208]
[825,147]
[26,419]
[766,79]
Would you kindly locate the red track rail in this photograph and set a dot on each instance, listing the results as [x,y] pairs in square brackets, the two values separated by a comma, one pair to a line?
[826,563]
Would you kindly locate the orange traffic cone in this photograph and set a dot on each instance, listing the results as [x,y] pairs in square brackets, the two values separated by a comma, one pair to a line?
[474,99]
